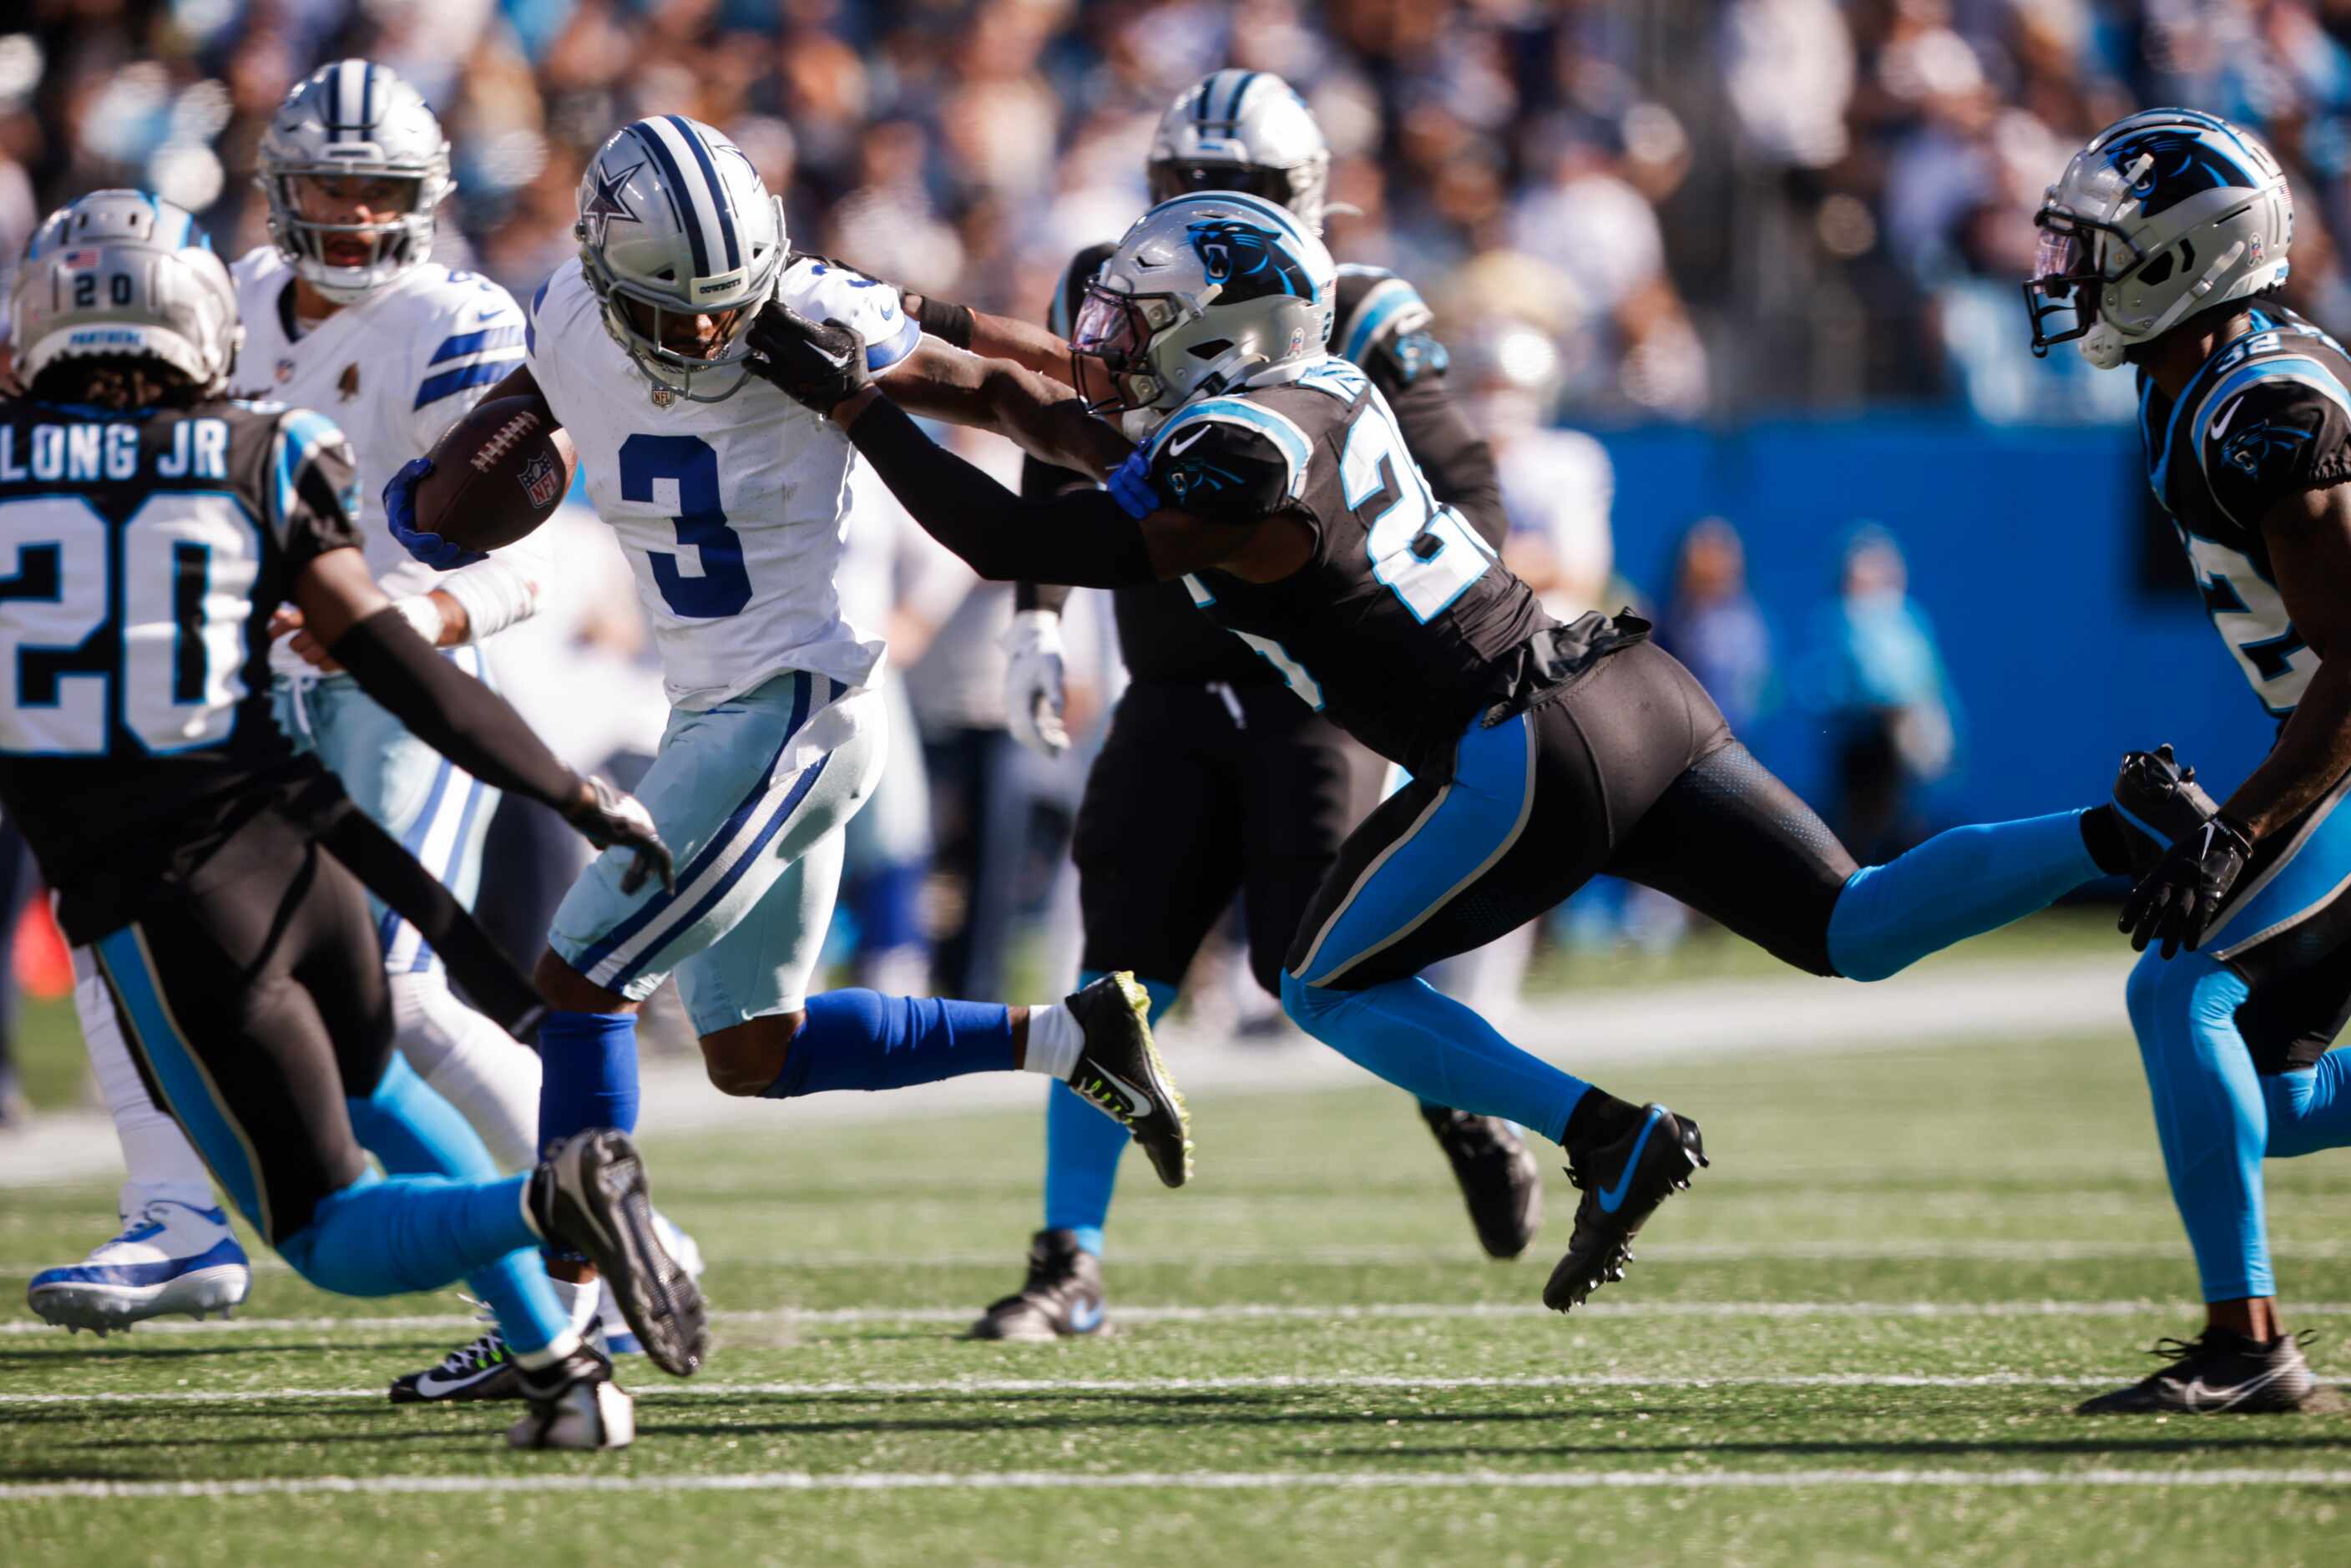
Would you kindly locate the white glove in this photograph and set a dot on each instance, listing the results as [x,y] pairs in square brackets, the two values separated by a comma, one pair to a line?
[1034,693]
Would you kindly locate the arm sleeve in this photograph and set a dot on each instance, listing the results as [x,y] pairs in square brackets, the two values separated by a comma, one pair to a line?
[313,488]
[2276,439]
[463,354]
[1083,538]
[450,711]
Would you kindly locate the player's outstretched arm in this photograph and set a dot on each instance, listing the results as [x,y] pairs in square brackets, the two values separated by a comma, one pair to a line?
[1031,346]
[456,714]
[1041,416]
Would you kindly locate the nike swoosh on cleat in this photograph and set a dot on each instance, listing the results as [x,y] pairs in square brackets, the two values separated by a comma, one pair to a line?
[1137,1102]
[1610,1200]
[2196,1394]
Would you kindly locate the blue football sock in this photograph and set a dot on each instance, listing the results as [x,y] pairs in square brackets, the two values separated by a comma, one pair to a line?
[863,1039]
[382,1236]
[415,1132]
[1955,885]
[2310,1111]
[2210,1115]
[1082,1146]
[588,1075]
[1419,1038]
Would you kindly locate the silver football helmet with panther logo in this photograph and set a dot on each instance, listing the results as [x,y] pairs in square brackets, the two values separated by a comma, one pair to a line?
[1243,131]
[675,224]
[2165,213]
[121,273]
[353,117]
[1202,294]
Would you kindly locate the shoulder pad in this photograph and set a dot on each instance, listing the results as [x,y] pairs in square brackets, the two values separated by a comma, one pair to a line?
[556,303]
[2277,428]
[1229,459]
[825,290]
[1386,319]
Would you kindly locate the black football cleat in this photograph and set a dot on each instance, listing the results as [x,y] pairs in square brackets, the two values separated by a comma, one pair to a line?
[1500,1180]
[590,1194]
[1119,1071]
[1063,1296]
[1623,1182]
[483,1368]
[2221,1371]
[2157,803]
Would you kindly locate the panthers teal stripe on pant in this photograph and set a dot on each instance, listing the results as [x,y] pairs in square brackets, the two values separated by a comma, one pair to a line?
[187,1086]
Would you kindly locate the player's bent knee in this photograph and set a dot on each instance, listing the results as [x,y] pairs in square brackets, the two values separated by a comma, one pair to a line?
[2143,994]
[1309,1007]
[748,1059]
[565,987]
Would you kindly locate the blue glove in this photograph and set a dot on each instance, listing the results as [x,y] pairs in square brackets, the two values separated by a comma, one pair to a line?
[399,517]
[1130,485]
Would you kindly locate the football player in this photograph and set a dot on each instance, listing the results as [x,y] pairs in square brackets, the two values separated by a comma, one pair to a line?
[1274,482]
[149,526]
[2162,247]
[1212,782]
[345,311]
[731,502]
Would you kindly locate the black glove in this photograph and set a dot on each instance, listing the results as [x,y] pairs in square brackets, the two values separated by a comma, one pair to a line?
[2176,902]
[820,367]
[609,817]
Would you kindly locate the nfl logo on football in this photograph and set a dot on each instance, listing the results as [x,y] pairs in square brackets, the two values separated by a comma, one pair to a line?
[542,480]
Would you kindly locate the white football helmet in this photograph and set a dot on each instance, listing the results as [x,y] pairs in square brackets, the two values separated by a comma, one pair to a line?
[121,273]
[353,117]
[1202,294]
[1243,131]
[673,217]
[2164,215]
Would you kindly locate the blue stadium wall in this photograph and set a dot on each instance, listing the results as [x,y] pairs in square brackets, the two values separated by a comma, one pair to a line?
[2068,626]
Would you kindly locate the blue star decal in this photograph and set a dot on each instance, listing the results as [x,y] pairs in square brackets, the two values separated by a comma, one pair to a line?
[609,201]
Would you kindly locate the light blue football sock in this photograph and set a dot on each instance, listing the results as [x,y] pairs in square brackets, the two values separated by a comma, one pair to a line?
[382,1236]
[1955,885]
[1419,1038]
[2211,1115]
[858,1039]
[1082,1146]
[415,1132]
[588,1075]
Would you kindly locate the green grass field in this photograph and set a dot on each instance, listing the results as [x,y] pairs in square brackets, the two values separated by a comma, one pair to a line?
[1857,1340]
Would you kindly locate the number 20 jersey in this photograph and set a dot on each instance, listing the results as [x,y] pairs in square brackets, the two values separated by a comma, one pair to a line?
[1402,623]
[732,514]
[2267,417]
[139,560]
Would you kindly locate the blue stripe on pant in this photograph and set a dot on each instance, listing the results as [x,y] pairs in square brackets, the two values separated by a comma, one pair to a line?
[2313,870]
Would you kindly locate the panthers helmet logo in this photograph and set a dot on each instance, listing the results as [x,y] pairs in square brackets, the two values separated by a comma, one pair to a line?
[1250,261]
[2183,165]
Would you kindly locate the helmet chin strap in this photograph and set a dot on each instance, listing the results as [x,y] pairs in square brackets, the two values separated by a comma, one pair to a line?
[2103,346]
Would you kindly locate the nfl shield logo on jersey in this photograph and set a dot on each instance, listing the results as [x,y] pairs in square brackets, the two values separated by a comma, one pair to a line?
[542,480]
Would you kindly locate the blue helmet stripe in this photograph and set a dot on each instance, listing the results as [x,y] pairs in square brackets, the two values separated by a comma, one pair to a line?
[719,199]
[367,94]
[679,204]
[1200,104]
[1233,105]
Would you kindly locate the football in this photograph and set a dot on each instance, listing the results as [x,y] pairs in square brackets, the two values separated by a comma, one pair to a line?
[500,473]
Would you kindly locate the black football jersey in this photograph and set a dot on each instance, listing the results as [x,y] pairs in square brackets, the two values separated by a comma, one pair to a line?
[2268,416]
[1381,323]
[1403,622]
[140,558]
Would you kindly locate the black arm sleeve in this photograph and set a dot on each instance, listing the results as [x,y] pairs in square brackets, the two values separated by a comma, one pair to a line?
[450,711]
[1083,538]
[946,320]
[1042,481]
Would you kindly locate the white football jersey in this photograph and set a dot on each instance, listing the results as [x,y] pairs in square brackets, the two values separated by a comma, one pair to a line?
[393,370]
[733,515]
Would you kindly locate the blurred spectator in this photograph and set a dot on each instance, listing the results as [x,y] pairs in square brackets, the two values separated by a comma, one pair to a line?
[1711,622]
[1874,671]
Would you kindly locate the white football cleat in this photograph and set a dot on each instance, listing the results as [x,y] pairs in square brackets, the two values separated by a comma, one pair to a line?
[173,1258]
[575,1404]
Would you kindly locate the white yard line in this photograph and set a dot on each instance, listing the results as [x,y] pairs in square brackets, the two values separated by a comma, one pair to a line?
[1146,1387]
[1585,1029]
[1245,1312]
[1183,1480]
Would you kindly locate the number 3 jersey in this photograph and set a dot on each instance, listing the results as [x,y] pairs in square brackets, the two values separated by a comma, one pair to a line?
[732,514]
[2267,417]
[1403,623]
[139,560]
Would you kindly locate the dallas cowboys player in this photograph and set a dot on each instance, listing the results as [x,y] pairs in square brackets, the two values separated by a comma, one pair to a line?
[2162,245]
[731,503]
[1212,783]
[344,311]
[1273,480]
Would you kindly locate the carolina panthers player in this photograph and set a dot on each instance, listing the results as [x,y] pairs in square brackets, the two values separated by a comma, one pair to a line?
[731,503]
[1273,481]
[345,311]
[2162,246]
[1212,782]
